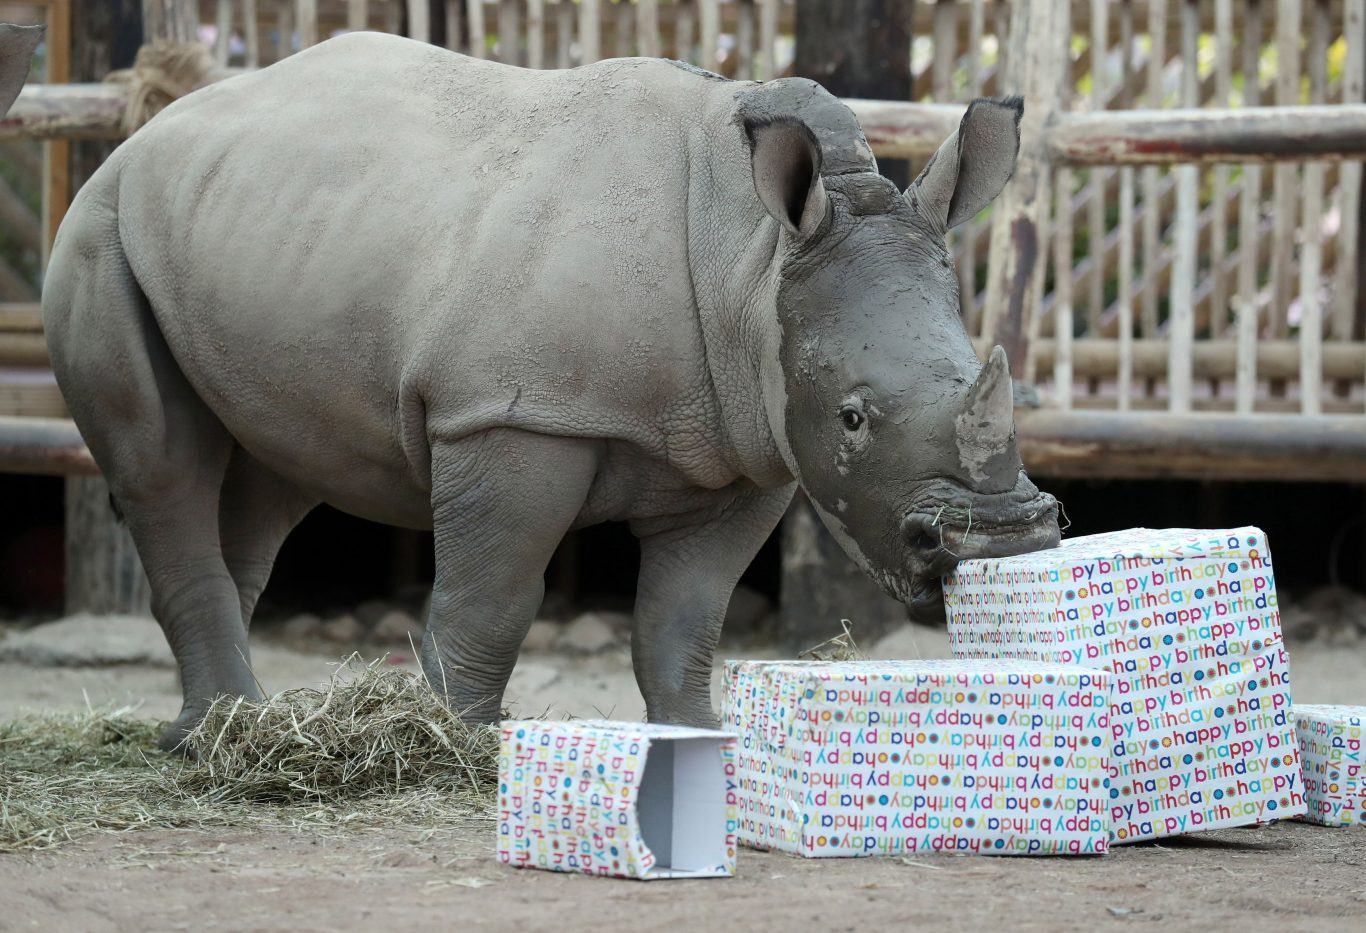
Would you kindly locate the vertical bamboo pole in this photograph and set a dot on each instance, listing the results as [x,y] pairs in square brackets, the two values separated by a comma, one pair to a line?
[1185,242]
[744,40]
[357,14]
[647,28]
[1245,371]
[945,48]
[685,17]
[1062,289]
[284,29]
[1124,378]
[1288,20]
[967,259]
[474,10]
[623,42]
[251,34]
[590,35]
[57,193]
[509,40]
[222,32]
[306,14]
[535,33]
[1347,279]
[768,39]
[419,21]
[1014,279]
[1152,220]
[1311,255]
[710,21]
[455,39]
[564,33]
[1095,220]
[1220,320]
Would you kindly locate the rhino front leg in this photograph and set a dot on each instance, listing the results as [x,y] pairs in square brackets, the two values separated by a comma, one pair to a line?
[501,502]
[688,572]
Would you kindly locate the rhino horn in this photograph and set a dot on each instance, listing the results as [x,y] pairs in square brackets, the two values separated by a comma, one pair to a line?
[986,426]
[16,53]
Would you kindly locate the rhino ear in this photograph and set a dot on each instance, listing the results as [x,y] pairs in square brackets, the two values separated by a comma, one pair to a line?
[785,160]
[16,53]
[973,165]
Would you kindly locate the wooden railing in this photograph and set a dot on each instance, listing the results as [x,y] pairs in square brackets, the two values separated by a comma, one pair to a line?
[1195,257]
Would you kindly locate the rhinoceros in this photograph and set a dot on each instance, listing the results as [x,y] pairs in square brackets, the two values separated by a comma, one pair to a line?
[502,304]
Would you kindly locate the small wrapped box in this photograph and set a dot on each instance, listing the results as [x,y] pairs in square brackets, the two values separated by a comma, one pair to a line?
[1333,749]
[845,758]
[617,798]
[1201,731]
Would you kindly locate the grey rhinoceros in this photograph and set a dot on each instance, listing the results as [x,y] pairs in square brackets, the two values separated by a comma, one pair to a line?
[502,304]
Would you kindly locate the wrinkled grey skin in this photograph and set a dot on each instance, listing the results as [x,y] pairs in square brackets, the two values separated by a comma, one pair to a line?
[445,293]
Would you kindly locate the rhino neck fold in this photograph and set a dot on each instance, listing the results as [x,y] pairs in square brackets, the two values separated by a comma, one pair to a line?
[731,247]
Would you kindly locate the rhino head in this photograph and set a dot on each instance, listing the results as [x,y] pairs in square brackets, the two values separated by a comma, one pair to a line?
[903,441]
[16,53]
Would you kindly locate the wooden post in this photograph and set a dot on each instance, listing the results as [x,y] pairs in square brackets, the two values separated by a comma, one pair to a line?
[250,34]
[590,24]
[860,48]
[306,12]
[357,13]
[768,39]
[647,27]
[509,38]
[222,33]
[57,188]
[177,20]
[535,34]
[475,10]
[1181,324]
[711,33]
[1038,36]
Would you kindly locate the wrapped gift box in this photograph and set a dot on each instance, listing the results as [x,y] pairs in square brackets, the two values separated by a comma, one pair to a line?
[617,798]
[1333,750]
[844,758]
[1202,735]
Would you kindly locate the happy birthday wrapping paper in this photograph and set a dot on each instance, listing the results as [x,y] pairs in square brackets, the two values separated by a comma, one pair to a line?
[1201,733]
[624,799]
[1333,748]
[852,758]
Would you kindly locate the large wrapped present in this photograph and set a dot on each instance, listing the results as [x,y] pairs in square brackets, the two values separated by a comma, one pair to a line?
[617,798]
[842,758]
[1202,735]
[1333,750]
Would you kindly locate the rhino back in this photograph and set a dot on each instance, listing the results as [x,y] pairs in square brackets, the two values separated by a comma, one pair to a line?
[377,240]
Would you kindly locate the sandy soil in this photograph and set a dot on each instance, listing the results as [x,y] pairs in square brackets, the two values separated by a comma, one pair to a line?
[1284,877]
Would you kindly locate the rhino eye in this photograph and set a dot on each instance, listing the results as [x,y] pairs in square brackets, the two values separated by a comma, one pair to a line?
[852,418]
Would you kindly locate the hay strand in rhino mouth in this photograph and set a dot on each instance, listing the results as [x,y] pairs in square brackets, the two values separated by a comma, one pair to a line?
[374,746]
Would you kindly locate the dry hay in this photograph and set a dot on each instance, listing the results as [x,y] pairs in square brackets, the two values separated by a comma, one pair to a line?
[375,746]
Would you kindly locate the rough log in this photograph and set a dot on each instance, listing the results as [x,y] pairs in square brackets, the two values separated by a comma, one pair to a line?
[71,111]
[50,446]
[1248,134]
[1212,359]
[903,131]
[1115,445]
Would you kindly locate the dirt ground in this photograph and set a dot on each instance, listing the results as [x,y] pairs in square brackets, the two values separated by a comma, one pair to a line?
[1284,877]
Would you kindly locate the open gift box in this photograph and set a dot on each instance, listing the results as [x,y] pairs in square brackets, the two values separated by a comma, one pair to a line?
[616,798]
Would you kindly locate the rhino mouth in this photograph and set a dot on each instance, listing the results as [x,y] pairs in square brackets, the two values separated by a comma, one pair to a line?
[946,530]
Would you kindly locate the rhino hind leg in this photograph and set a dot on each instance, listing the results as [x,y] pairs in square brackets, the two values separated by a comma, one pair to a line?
[501,501]
[162,450]
[257,509]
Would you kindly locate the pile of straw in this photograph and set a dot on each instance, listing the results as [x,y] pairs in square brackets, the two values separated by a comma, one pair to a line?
[375,746]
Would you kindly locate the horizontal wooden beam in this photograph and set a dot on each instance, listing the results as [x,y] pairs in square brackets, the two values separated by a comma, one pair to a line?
[1212,359]
[66,111]
[50,446]
[906,130]
[898,130]
[1245,134]
[1129,445]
